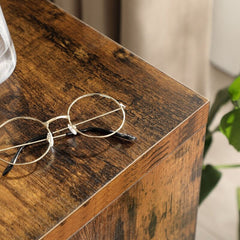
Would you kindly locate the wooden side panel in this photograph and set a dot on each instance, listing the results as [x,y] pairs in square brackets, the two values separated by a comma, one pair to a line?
[118,185]
[162,205]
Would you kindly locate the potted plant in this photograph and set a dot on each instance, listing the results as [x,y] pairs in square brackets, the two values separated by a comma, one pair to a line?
[229,125]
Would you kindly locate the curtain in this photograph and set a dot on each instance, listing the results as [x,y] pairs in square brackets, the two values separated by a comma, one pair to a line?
[103,15]
[174,36]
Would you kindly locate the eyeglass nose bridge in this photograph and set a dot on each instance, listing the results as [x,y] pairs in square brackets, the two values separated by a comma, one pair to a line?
[56,118]
[70,127]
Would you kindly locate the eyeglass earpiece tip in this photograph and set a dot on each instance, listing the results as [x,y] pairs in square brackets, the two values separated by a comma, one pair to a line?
[7,170]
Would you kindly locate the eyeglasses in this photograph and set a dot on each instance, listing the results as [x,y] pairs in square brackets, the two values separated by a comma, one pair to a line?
[93,115]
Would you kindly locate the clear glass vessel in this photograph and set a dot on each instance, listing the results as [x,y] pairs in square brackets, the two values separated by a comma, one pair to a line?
[7,50]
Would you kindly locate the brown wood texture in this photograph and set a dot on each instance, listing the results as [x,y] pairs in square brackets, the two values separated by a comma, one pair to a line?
[58,59]
[161,205]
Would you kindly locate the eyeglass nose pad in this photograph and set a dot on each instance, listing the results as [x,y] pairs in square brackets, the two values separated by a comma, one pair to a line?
[50,139]
[72,129]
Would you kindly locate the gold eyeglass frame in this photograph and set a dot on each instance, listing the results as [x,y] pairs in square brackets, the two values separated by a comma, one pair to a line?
[72,127]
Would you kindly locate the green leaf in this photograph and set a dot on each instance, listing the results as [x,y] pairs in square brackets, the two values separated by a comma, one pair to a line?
[209,180]
[230,127]
[238,198]
[234,91]
[222,97]
[237,103]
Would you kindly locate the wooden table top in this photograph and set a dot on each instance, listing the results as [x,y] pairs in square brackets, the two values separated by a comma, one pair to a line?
[58,59]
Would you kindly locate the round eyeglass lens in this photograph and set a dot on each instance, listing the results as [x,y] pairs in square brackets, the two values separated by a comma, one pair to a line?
[23,141]
[96,115]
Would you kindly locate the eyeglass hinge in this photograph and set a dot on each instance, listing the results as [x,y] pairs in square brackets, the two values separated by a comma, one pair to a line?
[72,129]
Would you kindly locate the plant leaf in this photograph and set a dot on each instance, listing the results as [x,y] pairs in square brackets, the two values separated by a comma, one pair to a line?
[234,89]
[209,180]
[238,198]
[230,127]
[236,103]
[221,98]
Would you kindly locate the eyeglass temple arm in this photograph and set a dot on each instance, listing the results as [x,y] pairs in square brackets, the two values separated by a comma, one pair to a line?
[14,159]
[105,131]
[90,129]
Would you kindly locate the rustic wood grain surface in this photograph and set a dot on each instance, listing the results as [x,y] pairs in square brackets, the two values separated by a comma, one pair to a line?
[58,59]
[161,205]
